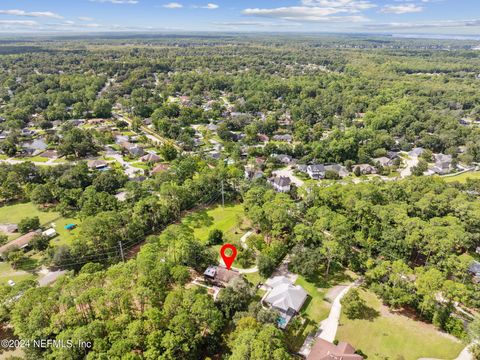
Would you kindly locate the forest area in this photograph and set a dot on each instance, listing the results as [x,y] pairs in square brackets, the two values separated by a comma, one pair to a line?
[131,262]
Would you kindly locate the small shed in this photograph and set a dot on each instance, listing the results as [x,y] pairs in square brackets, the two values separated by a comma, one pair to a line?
[50,233]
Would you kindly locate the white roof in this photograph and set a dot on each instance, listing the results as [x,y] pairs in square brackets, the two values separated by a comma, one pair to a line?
[287,296]
[49,232]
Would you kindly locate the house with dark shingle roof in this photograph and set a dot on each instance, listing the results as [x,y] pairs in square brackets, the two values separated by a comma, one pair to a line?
[281,184]
[316,172]
[219,275]
[474,269]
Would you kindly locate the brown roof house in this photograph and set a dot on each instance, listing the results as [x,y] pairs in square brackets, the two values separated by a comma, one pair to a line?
[160,168]
[97,164]
[324,350]
[20,243]
[219,275]
[150,158]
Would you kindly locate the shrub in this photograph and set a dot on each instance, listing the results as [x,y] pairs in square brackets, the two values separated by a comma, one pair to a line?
[215,237]
[28,224]
[353,305]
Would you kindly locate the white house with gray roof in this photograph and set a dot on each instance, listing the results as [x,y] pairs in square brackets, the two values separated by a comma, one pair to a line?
[316,172]
[284,297]
[280,183]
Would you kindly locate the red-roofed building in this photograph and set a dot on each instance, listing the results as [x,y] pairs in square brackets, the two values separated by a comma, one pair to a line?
[324,350]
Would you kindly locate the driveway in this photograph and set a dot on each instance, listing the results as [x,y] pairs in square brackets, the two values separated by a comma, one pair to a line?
[411,162]
[329,326]
[288,172]
[243,239]
[241,271]
[49,277]
[130,171]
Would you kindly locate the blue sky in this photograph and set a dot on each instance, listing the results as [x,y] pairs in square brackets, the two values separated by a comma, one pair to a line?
[366,16]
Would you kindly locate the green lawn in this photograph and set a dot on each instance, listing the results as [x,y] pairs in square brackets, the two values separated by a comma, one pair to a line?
[315,309]
[36,159]
[462,178]
[12,214]
[7,273]
[65,236]
[141,165]
[225,219]
[254,278]
[387,335]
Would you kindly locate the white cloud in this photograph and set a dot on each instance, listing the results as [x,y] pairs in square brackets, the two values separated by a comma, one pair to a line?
[85,18]
[210,6]
[401,9]
[17,12]
[317,11]
[303,13]
[173,5]
[117,1]
[18,22]
[347,5]
[238,24]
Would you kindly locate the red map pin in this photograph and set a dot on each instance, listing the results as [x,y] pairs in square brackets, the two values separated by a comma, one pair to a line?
[228,258]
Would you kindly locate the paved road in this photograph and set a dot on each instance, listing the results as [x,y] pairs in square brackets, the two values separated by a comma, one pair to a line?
[241,271]
[328,327]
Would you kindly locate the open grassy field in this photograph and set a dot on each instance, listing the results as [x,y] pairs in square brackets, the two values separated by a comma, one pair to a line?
[387,335]
[64,235]
[462,178]
[230,220]
[14,213]
[8,273]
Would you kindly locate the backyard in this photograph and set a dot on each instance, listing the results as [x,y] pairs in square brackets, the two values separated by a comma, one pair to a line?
[13,214]
[391,335]
[462,178]
[17,275]
[229,219]
[316,307]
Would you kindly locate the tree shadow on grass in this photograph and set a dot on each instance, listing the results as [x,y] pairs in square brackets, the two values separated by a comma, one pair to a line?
[337,276]
[305,305]
[369,314]
[199,219]
[27,264]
